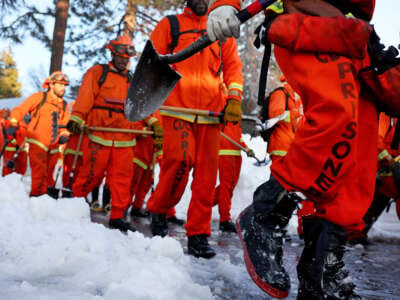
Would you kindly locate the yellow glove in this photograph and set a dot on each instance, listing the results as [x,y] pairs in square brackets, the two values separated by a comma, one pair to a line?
[158,134]
[232,111]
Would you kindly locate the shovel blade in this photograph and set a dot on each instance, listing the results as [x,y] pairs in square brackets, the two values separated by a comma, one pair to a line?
[151,84]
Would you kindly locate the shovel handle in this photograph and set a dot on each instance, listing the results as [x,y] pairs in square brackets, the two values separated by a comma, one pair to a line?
[200,112]
[204,41]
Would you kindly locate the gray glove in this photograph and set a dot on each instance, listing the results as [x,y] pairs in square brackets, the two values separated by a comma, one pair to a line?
[222,23]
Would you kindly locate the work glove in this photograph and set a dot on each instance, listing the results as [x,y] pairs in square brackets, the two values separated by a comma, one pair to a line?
[158,134]
[27,118]
[250,152]
[12,131]
[74,127]
[62,140]
[222,23]
[381,59]
[232,111]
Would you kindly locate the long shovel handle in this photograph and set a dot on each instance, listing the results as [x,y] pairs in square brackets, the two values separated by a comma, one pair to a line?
[204,41]
[203,112]
[112,129]
[238,145]
[200,112]
[233,141]
[120,130]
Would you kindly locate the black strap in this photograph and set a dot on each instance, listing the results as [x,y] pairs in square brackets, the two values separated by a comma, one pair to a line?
[40,104]
[104,74]
[396,137]
[264,74]
[111,109]
[174,28]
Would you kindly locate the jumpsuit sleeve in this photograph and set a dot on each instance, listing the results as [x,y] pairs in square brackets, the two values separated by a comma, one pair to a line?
[277,103]
[215,3]
[340,35]
[161,36]
[28,106]
[86,95]
[232,69]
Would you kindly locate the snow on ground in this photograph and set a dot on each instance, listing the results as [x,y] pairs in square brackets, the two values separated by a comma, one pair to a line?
[50,249]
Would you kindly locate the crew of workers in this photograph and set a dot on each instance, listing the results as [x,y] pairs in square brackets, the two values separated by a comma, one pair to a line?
[323,157]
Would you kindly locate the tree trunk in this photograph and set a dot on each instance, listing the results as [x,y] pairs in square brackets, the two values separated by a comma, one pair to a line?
[130,18]
[60,27]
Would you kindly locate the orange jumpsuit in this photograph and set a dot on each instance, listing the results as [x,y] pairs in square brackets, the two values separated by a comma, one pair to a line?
[17,147]
[143,173]
[340,118]
[332,159]
[192,141]
[229,165]
[106,152]
[43,153]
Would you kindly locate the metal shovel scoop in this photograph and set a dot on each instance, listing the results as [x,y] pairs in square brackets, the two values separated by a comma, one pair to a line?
[154,79]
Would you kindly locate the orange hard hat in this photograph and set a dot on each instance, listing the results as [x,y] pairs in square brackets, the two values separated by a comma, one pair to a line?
[55,77]
[122,46]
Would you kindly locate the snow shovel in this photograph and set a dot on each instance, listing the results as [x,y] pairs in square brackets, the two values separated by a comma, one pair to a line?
[154,79]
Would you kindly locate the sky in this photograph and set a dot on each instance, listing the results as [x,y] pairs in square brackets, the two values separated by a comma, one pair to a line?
[51,250]
[31,54]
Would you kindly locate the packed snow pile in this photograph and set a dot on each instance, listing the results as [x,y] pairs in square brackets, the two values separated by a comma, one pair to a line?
[51,249]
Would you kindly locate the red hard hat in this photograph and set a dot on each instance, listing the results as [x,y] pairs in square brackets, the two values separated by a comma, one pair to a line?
[282,78]
[55,77]
[122,46]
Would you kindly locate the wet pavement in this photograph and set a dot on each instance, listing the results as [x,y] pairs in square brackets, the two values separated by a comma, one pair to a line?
[375,269]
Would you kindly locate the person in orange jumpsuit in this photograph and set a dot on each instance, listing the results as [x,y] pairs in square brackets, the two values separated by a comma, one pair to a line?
[108,152]
[16,152]
[387,187]
[229,165]
[44,108]
[145,157]
[192,141]
[332,159]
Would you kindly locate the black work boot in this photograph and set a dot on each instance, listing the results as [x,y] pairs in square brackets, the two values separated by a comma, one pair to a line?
[159,225]
[227,226]
[53,192]
[139,213]
[106,196]
[198,246]
[176,221]
[121,224]
[261,229]
[320,269]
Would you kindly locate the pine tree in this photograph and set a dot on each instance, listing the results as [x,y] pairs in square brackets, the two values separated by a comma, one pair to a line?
[9,85]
